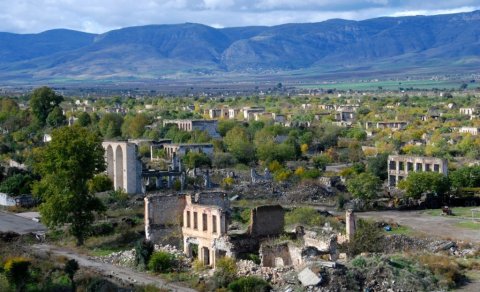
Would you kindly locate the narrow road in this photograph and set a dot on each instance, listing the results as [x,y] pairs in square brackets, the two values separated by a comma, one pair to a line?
[119,274]
[436,226]
[18,224]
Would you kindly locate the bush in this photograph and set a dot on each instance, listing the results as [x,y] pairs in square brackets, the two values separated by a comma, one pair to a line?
[225,272]
[249,284]
[100,183]
[118,197]
[308,216]
[367,238]
[161,262]
[17,271]
[102,229]
[143,251]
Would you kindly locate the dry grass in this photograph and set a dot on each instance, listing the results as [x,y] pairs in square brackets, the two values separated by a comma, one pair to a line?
[445,269]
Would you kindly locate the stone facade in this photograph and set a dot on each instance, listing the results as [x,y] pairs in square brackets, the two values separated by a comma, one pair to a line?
[399,166]
[209,126]
[163,214]
[469,130]
[180,150]
[203,225]
[123,166]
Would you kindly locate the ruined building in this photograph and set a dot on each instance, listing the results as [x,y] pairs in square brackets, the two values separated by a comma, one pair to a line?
[203,220]
[399,166]
[123,167]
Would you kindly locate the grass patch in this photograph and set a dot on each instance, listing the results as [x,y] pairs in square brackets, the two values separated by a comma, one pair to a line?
[469,225]
[465,212]
[400,230]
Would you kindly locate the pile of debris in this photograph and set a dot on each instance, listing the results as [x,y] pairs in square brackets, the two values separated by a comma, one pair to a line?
[308,191]
[275,276]
[400,243]
[126,258]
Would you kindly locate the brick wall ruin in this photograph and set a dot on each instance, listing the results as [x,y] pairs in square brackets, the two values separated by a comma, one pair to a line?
[267,221]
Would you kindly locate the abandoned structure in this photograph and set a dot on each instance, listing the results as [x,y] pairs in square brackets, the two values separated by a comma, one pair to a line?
[209,126]
[399,166]
[123,167]
[180,150]
[203,220]
[469,130]
[395,125]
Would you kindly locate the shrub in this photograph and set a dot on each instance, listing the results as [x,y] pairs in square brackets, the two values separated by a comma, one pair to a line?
[161,262]
[143,251]
[119,197]
[17,271]
[102,229]
[100,183]
[249,284]
[367,238]
[225,272]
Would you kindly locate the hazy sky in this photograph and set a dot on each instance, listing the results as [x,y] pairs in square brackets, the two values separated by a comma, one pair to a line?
[29,16]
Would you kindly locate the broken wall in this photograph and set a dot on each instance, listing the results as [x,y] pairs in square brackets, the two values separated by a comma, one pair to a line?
[163,217]
[267,220]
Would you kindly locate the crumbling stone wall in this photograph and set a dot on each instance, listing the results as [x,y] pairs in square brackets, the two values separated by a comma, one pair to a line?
[163,215]
[219,199]
[277,255]
[267,220]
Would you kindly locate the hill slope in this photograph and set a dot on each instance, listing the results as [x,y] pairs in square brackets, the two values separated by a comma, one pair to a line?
[436,44]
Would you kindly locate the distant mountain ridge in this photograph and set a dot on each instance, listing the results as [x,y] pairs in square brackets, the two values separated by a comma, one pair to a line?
[440,43]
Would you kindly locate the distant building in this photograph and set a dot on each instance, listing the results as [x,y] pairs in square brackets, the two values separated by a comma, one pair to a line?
[395,125]
[209,126]
[469,130]
[248,112]
[399,166]
[180,150]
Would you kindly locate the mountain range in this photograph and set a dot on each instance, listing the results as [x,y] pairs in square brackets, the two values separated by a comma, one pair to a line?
[440,44]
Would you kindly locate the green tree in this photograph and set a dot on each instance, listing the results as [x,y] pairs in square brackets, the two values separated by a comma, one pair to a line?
[56,118]
[66,164]
[84,119]
[110,125]
[465,177]
[378,165]
[42,102]
[196,159]
[16,184]
[419,183]
[134,126]
[364,186]
[238,143]
[367,238]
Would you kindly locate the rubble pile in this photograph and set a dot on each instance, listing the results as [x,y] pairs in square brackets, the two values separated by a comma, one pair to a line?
[307,192]
[276,276]
[399,243]
[124,258]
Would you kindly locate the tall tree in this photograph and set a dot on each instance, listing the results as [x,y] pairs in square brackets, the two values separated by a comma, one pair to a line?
[42,102]
[56,118]
[66,164]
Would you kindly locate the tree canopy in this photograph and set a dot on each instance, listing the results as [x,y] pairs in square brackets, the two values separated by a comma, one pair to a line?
[66,165]
[42,102]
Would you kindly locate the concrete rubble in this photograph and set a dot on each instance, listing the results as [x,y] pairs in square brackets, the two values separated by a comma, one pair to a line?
[309,278]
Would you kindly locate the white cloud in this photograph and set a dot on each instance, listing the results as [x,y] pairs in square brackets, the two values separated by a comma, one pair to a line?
[98,16]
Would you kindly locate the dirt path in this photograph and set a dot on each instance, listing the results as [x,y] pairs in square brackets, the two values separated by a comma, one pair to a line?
[120,274]
[436,226]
